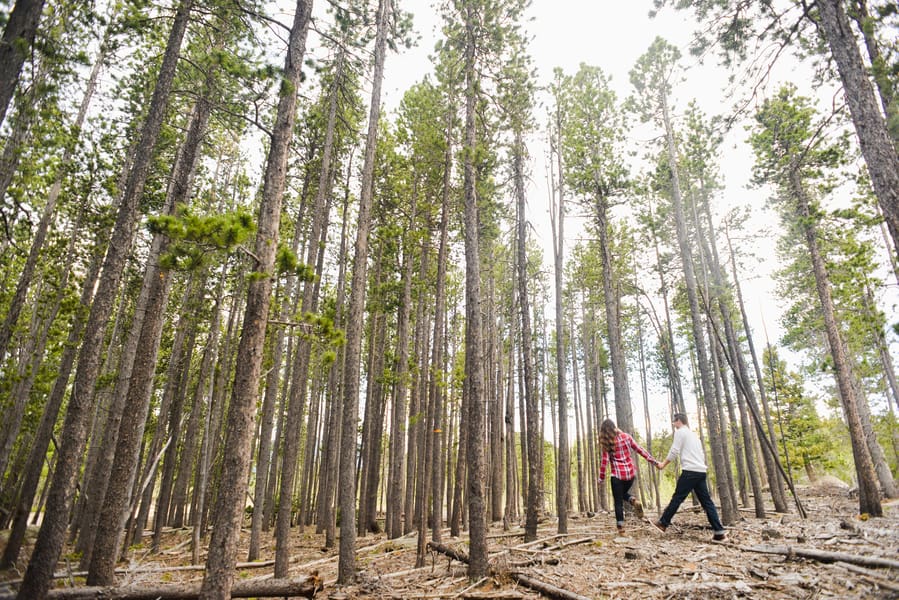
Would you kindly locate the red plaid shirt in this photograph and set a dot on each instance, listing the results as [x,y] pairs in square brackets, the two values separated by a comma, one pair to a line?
[622,464]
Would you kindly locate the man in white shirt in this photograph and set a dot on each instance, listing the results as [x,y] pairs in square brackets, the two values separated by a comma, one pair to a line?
[688,448]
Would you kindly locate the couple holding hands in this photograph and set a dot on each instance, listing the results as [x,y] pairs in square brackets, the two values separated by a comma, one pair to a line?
[616,448]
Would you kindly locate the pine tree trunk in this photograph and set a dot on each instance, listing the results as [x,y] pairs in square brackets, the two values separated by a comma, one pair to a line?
[874,139]
[356,314]
[18,37]
[124,471]
[514,484]
[881,466]
[59,502]
[373,424]
[230,501]
[534,435]
[438,372]
[397,454]
[612,302]
[331,462]
[474,365]
[175,414]
[868,492]
[579,436]
[563,464]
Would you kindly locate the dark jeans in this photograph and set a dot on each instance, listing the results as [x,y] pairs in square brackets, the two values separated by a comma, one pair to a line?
[619,494]
[692,481]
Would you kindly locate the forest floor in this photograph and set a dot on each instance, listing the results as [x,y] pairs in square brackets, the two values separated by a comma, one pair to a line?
[592,561]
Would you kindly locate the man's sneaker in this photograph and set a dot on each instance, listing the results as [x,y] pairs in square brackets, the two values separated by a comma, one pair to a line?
[720,537]
[659,526]
[638,507]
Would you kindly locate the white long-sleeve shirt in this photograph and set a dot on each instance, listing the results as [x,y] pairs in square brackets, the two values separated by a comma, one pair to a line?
[687,446]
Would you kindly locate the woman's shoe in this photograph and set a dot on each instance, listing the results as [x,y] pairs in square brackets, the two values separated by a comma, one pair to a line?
[638,507]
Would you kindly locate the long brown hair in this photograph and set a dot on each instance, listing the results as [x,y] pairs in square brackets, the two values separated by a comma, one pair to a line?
[607,434]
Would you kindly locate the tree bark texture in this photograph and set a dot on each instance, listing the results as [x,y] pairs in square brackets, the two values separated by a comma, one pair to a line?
[474,365]
[356,315]
[870,126]
[228,512]
[868,492]
[18,37]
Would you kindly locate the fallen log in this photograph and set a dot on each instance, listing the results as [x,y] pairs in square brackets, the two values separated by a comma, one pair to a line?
[824,556]
[552,560]
[451,552]
[547,589]
[300,587]
[869,576]
[145,570]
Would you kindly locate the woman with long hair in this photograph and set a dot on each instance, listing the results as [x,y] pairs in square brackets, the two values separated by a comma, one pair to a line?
[616,448]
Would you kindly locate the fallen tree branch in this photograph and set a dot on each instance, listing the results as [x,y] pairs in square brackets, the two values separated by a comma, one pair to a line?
[824,556]
[305,587]
[869,576]
[144,570]
[563,544]
[451,552]
[710,586]
[547,589]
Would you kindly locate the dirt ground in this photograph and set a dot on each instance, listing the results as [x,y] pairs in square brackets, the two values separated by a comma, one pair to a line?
[592,561]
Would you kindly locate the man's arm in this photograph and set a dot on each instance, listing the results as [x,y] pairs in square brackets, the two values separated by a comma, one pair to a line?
[676,447]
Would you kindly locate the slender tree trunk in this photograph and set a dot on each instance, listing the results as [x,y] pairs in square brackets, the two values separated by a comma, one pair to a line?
[347,563]
[15,46]
[230,501]
[666,338]
[881,466]
[874,139]
[534,435]
[122,475]
[373,424]
[205,492]
[437,374]
[397,453]
[264,453]
[868,493]
[563,464]
[179,382]
[511,458]
[612,301]
[580,438]
[189,457]
[474,365]
[331,477]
